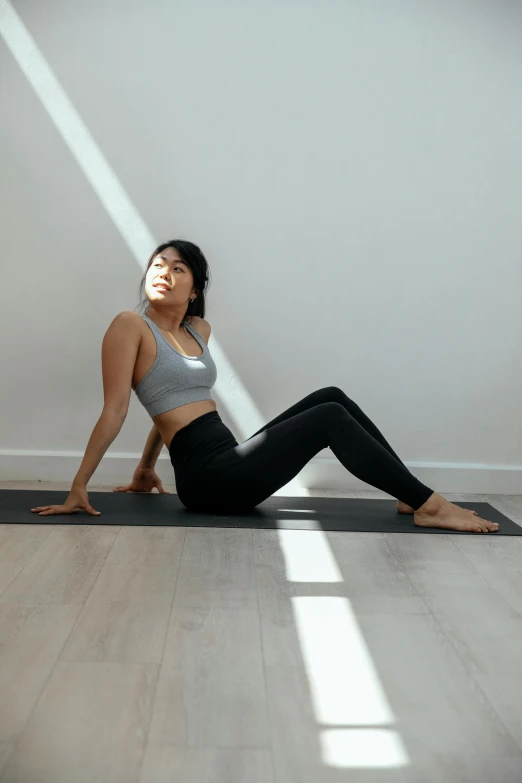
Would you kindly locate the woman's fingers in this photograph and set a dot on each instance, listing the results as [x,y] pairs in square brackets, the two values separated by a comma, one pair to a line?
[44,511]
[159,487]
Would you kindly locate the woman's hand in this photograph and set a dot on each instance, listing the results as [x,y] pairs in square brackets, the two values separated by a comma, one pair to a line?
[144,480]
[78,499]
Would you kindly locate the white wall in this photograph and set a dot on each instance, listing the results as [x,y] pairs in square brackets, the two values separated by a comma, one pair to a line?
[352,172]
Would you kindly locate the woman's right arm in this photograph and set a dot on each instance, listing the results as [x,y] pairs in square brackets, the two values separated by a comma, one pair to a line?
[119,352]
[105,431]
[107,427]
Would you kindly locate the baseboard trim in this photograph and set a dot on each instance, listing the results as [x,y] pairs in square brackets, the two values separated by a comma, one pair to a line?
[320,473]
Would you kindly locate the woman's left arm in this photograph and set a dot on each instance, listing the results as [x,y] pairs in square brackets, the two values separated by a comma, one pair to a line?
[152,449]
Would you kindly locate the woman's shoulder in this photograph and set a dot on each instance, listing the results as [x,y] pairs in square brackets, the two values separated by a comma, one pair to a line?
[130,317]
[129,314]
[200,325]
[195,321]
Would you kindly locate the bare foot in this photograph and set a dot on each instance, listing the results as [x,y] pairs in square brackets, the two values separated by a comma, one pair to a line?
[439,512]
[403,508]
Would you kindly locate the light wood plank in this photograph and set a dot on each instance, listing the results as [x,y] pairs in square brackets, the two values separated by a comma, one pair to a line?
[90,724]
[500,563]
[216,569]
[6,750]
[65,566]
[147,545]
[427,554]
[126,615]
[482,627]
[119,631]
[504,691]
[211,690]
[166,764]
[31,638]
[18,544]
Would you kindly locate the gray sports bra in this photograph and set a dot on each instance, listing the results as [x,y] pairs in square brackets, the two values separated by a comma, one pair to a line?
[175,379]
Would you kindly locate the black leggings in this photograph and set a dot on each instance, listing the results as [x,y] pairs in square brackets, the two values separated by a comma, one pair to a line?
[216,473]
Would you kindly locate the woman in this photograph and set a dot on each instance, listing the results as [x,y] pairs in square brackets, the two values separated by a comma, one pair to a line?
[163,356]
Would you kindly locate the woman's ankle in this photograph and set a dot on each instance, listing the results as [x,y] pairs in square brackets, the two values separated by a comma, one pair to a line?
[432,504]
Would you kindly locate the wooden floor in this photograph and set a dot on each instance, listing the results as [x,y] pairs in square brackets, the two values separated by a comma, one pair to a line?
[155,654]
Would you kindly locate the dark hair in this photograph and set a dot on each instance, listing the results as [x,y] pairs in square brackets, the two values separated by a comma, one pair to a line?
[193,257]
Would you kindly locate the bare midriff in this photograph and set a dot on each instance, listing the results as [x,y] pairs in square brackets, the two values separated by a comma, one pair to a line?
[170,422]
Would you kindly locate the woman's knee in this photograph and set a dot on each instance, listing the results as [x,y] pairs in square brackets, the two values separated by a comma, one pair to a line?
[335,411]
[335,394]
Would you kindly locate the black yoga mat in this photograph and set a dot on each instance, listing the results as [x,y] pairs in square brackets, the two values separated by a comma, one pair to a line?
[277,512]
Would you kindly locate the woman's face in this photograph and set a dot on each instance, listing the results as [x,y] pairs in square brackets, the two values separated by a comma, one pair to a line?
[168,270]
